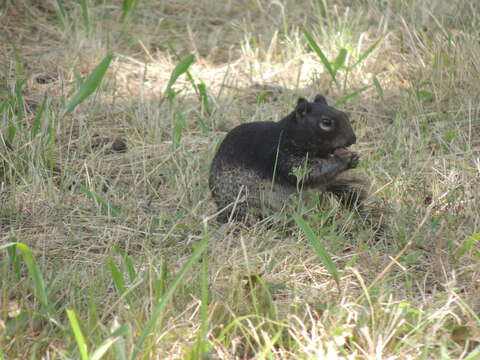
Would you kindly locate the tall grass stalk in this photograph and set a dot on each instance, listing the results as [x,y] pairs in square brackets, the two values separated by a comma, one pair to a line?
[321,251]
[35,274]
[159,308]
[85,15]
[180,68]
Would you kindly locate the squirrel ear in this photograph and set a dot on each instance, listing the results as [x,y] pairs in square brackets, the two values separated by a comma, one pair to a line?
[303,107]
[320,99]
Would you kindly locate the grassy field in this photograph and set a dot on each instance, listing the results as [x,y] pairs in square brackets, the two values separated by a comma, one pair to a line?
[111,112]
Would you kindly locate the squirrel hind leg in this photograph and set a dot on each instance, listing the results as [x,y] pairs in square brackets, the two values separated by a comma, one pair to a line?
[231,212]
[355,194]
[350,192]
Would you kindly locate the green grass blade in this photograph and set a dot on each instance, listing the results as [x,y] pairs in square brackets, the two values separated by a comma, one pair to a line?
[50,148]
[3,106]
[204,98]
[35,274]
[118,281]
[179,59]
[322,253]
[14,258]
[93,316]
[77,332]
[117,277]
[366,53]
[19,68]
[181,68]
[90,84]
[471,243]
[20,103]
[178,129]
[204,292]
[266,351]
[109,208]
[85,16]
[474,354]
[203,125]
[12,129]
[120,346]
[340,60]
[37,122]
[7,245]
[6,109]
[61,9]
[262,98]
[51,133]
[424,95]
[160,307]
[127,262]
[314,46]
[120,349]
[160,284]
[127,7]
[221,338]
[200,89]
[202,346]
[351,95]
[102,349]
[378,86]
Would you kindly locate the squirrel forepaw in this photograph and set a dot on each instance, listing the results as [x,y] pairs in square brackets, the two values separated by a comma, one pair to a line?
[354,160]
[348,158]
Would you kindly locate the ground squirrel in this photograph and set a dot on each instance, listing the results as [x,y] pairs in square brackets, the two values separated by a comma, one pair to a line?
[255,169]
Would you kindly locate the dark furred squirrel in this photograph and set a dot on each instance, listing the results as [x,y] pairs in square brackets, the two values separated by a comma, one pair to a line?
[256,166]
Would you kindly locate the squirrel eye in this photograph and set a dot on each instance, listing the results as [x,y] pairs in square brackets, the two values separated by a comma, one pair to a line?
[326,123]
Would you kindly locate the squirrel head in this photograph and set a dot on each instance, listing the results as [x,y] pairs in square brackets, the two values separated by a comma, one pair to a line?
[317,128]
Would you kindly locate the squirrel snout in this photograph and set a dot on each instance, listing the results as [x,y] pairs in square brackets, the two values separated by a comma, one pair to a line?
[352,139]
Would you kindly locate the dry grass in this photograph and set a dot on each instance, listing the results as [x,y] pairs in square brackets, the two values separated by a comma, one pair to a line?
[414,294]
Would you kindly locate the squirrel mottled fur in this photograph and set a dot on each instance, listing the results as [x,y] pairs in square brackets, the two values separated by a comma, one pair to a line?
[254,168]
